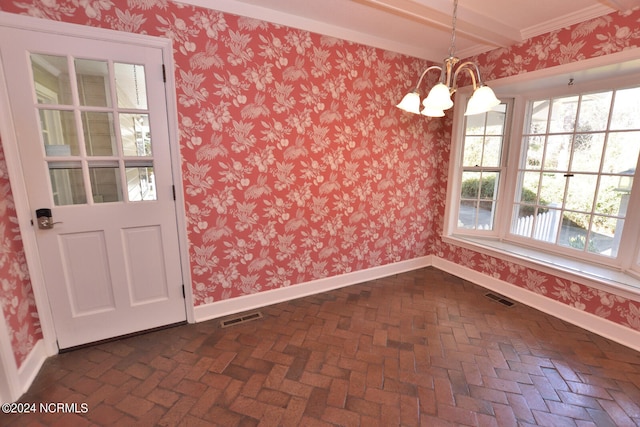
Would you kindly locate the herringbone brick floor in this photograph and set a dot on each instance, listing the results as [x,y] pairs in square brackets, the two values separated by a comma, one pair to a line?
[418,349]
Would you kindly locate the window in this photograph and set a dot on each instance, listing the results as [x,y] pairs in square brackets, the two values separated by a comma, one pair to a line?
[575,177]
[482,167]
[554,177]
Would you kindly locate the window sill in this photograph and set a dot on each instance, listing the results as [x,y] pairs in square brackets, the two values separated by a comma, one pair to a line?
[604,278]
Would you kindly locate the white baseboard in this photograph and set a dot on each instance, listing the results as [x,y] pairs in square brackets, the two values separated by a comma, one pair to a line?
[31,366]
[19,380]
[23,378]
[249,302]
[598,325]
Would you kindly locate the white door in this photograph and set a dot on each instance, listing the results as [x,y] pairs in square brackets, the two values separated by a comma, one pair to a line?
[91,124]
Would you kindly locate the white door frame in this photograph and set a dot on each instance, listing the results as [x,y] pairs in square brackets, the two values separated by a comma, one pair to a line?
[16,378]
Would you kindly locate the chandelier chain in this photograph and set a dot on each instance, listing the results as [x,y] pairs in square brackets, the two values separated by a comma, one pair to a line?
[452,48]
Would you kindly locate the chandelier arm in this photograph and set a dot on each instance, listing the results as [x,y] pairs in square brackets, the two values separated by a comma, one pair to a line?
[439,97]
[424,73]
[470,67]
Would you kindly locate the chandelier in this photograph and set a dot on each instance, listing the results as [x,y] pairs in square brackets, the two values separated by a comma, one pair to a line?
[439,97]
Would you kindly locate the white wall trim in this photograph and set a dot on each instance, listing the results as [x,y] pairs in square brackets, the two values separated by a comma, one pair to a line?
[280,17]
[577,17]
[176,170]
[78,30]
[13,380]
[31,366]
[19,380]
[249,302]
[16,381]
[598,325]
[9,386]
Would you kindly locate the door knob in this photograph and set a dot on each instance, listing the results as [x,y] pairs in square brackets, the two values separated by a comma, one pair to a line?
[44,218]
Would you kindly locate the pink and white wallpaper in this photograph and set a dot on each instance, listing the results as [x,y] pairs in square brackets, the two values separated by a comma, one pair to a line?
[601,36]
[296,165]
[16,297]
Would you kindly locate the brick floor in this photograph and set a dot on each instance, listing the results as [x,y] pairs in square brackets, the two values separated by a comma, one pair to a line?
[422,348]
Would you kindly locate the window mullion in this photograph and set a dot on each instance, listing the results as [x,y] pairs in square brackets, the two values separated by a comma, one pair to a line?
[629,249]
[511,163]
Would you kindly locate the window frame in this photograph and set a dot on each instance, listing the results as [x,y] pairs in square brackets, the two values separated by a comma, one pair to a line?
[501,169]
[627,262]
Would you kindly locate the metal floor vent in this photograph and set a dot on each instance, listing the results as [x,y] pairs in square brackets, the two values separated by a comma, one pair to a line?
[498,298]
[240,319]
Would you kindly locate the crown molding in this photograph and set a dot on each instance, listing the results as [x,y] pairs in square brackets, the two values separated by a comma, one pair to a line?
[586,14]
[294,21]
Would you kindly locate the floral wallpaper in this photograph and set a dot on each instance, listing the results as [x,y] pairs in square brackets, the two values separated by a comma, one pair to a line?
[601,36]
[16,298]
[296,165]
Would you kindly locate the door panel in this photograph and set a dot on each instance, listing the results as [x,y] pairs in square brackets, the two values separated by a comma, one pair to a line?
[145,265]
[90,117]
[78,269]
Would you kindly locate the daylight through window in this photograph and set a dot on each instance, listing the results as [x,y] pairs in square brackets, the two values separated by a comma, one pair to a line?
[569,186]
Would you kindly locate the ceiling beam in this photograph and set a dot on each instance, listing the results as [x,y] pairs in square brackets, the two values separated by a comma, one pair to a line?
[438,14]
[624,5]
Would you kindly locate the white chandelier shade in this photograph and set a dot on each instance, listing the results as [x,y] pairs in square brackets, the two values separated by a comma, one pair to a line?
[439,99]
[410,103]
[482,100]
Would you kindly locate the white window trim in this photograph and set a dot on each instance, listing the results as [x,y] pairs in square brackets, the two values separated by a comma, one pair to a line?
[605,279]
[622,69]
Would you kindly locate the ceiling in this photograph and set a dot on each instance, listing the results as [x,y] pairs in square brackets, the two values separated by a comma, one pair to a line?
[422,28]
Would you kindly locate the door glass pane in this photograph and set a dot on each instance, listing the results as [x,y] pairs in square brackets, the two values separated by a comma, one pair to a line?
[140,184]
[131,88]
[67,184]
[99,135]
[105,184]
[51,77]
[135,133]
[59,133]
[93,83]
